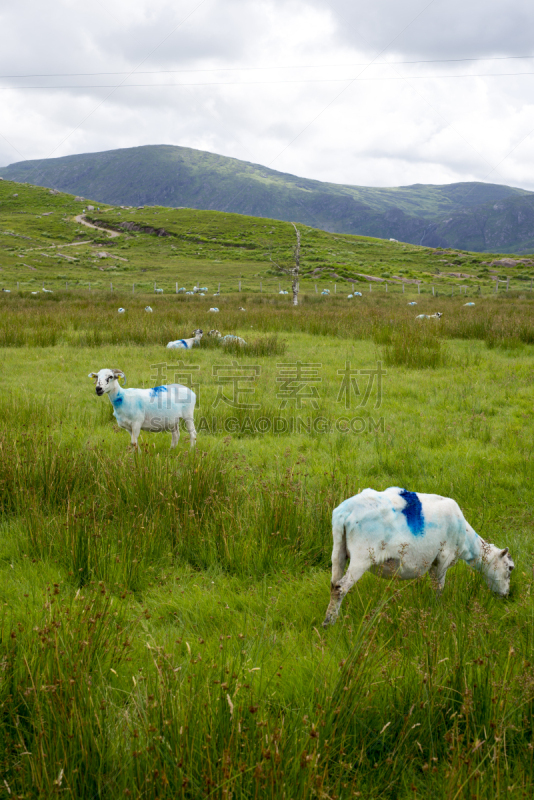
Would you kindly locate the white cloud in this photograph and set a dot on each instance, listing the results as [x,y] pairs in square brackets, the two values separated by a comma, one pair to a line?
[388,127]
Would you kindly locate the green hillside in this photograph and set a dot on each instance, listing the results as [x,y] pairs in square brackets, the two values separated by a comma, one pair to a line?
[476,216]
[42,243]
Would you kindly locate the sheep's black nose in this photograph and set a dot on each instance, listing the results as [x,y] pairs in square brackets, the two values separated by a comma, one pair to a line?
[99,390]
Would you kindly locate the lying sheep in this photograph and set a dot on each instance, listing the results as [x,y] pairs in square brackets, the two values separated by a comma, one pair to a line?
[157,409]
[148,309]
[121,310]
[186,344]
[437,315]
[215,333]
[231,338]
[213,310]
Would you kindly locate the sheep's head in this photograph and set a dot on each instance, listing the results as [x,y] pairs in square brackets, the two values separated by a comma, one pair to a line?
[105,379]
[498,569]
[198,333]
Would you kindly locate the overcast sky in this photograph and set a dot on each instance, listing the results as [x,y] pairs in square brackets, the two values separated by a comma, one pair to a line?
[309,87]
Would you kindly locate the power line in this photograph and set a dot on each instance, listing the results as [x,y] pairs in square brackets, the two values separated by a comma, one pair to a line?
[269,83]
[254,69]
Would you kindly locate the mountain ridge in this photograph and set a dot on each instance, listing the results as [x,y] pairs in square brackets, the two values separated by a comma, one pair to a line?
[466,215]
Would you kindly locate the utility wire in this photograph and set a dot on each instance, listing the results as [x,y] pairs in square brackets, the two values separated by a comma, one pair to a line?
[253,69]
[269,83]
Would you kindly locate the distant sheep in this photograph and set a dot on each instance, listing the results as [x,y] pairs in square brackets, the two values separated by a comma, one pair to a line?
[469,304]
[122,311]
[241,309]
[35,292]
[325,291]
[213,310]
[282,291]
[180,290]
[215,333]
[358,294]
[158,291]
[437,315]
[412,303]
[349,296]
[186,344]
[49,291]
[148,309]
[157,409]
[231,338]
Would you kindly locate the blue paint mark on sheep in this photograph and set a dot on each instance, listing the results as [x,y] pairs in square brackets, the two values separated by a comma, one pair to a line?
[413,511]
[157,390]
[117,401]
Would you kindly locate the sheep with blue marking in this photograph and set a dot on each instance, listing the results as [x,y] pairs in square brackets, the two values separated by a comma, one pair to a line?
[186,344]
[400,534]
[158,409]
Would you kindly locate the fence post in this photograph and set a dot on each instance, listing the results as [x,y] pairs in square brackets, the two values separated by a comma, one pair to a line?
[335,288]
[133,288]
[370,287]
[219,289]
[432,290]
[403,288]
[17,284]
[507,282]
[497,285]
[239,285]
[261,287]
[176,287]
[154,286]
[386,287]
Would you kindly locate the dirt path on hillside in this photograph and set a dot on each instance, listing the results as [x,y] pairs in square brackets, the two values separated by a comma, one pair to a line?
[81,219]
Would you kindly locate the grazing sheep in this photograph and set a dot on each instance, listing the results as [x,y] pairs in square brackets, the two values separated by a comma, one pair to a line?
[7,290]
[158,291]
[403,534]
[213,310]
[181,290]
[412,303]
[349,296]
[283,291]
[186,344]
[241,309]
[325,291]
[469,304]
[157,409]
[148,309]
[190,293]
[215,332]
[121,310]
[49,291]
[437,315]
[358,294]
[35,292]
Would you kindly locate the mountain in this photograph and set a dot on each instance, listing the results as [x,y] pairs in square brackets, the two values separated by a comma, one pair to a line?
[475,216]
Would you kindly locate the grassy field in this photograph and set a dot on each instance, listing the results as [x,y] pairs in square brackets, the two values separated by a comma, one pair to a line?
[161,610]
[42,244]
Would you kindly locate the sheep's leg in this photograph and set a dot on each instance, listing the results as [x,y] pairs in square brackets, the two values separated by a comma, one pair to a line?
[175,436]
[341,588]
[136,430]
[339,558]
[438,573]
[190,425]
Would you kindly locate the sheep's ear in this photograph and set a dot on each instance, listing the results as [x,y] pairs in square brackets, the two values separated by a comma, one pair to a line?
[93,375]
[119,375]
[504,552]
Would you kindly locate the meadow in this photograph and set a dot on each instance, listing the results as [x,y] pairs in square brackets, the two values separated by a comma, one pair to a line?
[161,610]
